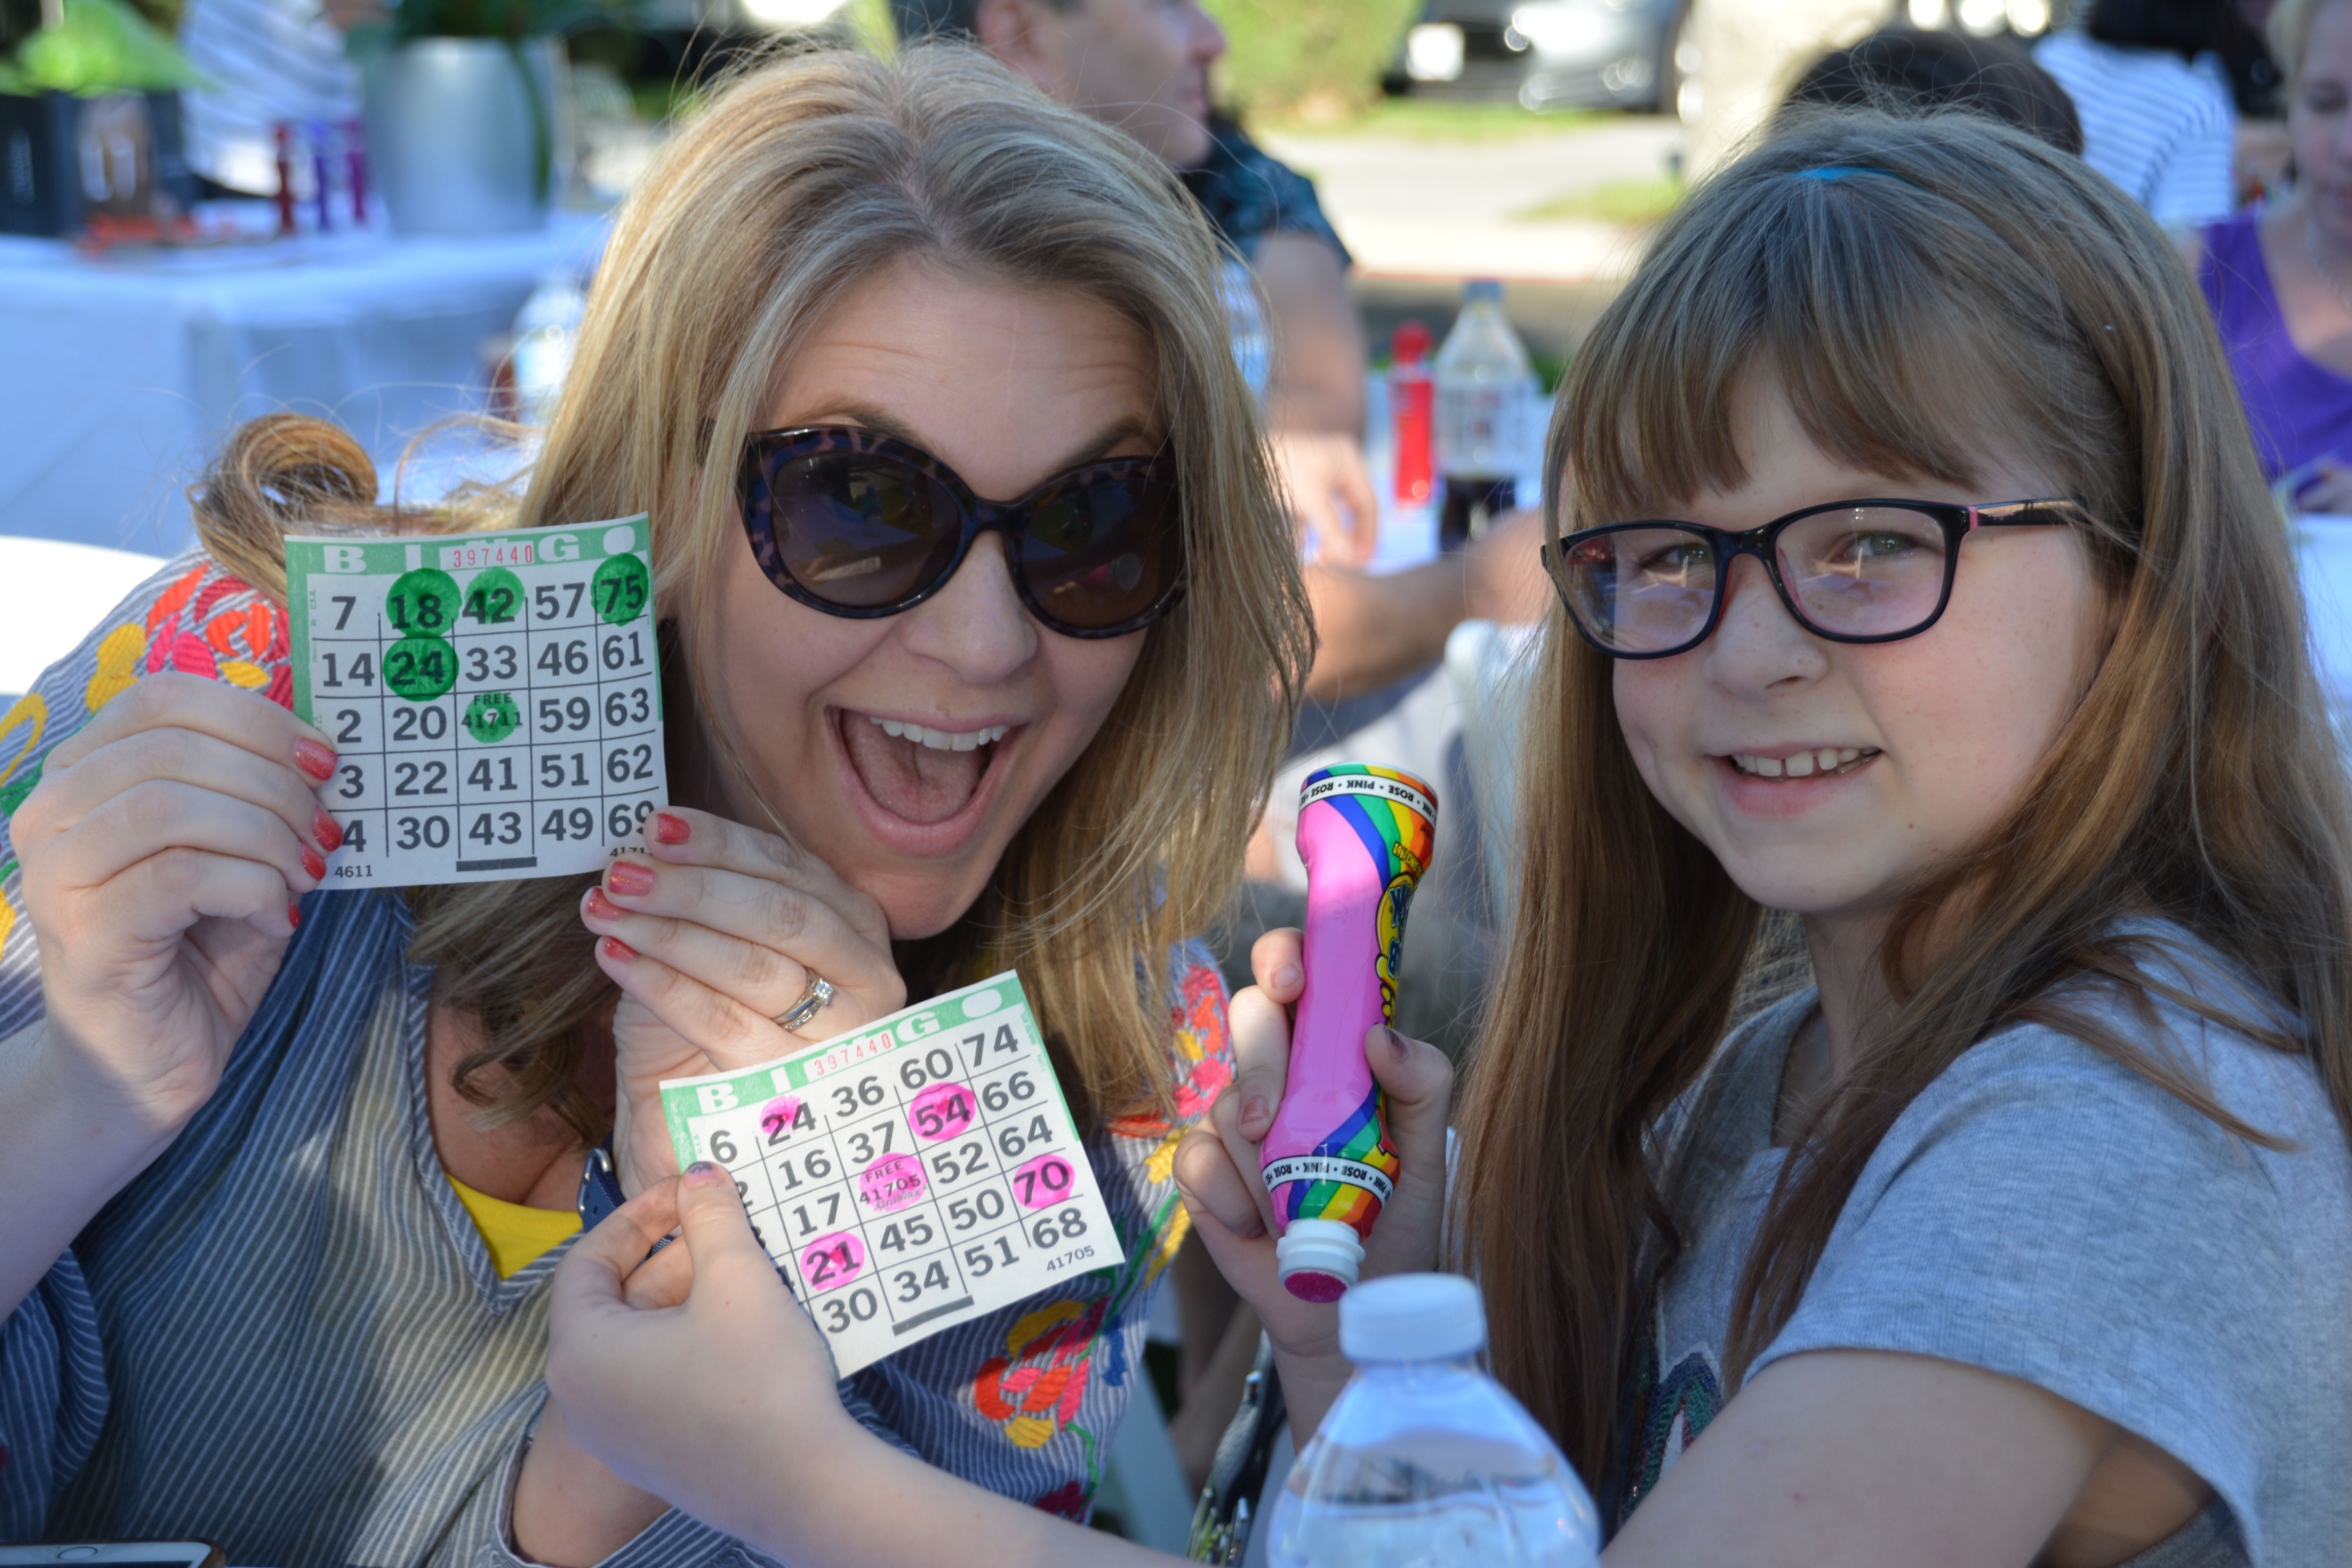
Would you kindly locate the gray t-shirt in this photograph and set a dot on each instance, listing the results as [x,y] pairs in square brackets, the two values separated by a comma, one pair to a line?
[2044,1213]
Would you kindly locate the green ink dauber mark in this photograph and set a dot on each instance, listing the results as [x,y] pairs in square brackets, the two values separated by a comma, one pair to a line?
[491,717]
[494,597]
[619,588]
[421,668]
[423,603]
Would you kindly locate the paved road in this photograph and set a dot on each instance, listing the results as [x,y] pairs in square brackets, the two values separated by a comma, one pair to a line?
[1422,209]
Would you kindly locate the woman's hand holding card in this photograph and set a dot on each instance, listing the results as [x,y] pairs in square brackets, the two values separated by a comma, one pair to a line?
[720,930]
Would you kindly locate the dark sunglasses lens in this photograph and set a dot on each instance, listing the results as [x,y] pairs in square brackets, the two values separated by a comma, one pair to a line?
[1100,551]
[861,530]
[1865,571]
[1639,590]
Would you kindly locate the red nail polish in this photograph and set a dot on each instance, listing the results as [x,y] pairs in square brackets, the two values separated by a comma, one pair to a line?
[314,759]
[619,952]
[603,908]
[628,879]
[314,863]
[326,831]
[668,829]
[293,913]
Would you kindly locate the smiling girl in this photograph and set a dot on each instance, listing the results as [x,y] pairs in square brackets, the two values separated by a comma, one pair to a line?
[982,634]
[1918,583]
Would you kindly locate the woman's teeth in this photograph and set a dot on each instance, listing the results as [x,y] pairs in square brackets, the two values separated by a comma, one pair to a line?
[1805,764]
[943,739]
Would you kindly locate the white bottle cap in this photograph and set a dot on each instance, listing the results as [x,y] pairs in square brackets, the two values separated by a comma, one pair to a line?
[1412,1317]
[1319,1258]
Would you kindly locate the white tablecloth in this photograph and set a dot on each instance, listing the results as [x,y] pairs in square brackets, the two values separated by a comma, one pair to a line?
[118,377]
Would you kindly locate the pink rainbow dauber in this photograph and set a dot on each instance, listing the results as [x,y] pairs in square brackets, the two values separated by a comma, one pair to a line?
[1365,834]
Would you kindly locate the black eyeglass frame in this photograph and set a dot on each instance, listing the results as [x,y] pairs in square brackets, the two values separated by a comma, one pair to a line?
[1957,522]
[765,451]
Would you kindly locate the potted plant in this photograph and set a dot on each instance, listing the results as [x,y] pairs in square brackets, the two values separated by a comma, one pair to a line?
[89,124]
[464,101]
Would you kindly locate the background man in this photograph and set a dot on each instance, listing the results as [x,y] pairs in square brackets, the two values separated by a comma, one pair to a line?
[1143,66]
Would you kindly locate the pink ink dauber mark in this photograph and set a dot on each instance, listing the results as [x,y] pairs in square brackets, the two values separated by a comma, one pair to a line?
[941,1111]
[779,1115]
[892,1182]
[1044,1180]
[831,1260]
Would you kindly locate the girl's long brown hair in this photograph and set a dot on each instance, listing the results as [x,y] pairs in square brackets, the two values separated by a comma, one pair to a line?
[1976,293]
[801,178]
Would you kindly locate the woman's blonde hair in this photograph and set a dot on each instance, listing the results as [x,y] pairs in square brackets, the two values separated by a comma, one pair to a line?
[1927,294]
[805,176]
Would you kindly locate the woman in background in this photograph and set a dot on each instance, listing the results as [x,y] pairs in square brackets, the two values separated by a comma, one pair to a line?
[2280,279]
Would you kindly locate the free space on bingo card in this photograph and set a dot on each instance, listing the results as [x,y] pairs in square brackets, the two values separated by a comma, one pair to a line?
[494,700]
[908,1175]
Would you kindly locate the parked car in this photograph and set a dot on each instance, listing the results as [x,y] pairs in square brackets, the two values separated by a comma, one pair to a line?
[1548,53]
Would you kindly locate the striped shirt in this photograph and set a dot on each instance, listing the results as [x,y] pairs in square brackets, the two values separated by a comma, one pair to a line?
[287,1337]
[2161,128]
[272,60]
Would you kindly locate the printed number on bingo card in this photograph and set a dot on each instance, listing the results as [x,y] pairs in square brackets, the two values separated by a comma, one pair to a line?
[909,1175]
[494,700]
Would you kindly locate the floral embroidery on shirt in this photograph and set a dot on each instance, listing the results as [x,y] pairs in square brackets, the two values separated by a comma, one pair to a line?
[204,623]
[1035,1390]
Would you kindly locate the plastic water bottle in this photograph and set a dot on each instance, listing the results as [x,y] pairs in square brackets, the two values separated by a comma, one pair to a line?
[1486,412]
[543,332]
[1424,1461]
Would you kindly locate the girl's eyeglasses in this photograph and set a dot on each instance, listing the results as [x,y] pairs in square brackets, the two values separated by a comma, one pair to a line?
[1849,571]
[858,524]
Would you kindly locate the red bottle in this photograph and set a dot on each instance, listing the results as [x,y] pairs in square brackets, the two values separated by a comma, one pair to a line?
[1412,407]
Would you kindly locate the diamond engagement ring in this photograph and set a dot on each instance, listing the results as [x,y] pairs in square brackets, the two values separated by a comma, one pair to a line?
[812,1002]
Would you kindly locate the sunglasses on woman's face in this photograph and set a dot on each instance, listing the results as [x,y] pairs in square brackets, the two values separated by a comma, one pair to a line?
[1849,571]
[858,524]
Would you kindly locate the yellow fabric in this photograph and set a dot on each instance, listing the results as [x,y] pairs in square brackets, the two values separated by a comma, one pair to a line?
[515,1233]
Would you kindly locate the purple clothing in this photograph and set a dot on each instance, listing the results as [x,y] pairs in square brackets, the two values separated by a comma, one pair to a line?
[2299,410]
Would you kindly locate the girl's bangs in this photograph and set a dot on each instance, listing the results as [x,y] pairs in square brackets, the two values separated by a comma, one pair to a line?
[1851,296]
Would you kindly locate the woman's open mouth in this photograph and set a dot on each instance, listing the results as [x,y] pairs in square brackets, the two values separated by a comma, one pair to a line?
[929,786]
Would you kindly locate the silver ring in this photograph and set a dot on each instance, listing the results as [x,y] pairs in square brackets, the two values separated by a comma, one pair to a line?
[812,1002]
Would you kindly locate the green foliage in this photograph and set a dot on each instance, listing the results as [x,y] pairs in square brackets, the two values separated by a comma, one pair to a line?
[99,47]
[1323,58]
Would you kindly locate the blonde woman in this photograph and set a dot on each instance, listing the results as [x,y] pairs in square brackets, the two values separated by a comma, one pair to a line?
[288,1171]
[1919,582]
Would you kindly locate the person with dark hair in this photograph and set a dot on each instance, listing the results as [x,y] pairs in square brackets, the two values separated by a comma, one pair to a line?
[1143,66]
[1909,69]
[2158,113]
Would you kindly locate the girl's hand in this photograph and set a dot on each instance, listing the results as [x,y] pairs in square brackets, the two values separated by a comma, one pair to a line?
[708,945]
[1217,1172]
[693,1375]
[163,852]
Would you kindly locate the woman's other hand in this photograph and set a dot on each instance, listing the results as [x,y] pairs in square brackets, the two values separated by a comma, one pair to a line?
[693,1375]
[163,850]
[1217,1173]
[709,942]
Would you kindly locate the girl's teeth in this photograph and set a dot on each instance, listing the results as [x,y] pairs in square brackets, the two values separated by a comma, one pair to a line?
[1803,764]
[943,740]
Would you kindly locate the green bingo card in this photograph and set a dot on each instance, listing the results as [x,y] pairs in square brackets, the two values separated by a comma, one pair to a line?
[494,698]
[909,1175]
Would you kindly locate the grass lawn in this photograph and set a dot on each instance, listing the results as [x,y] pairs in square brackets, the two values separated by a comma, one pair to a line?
[1614,201]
